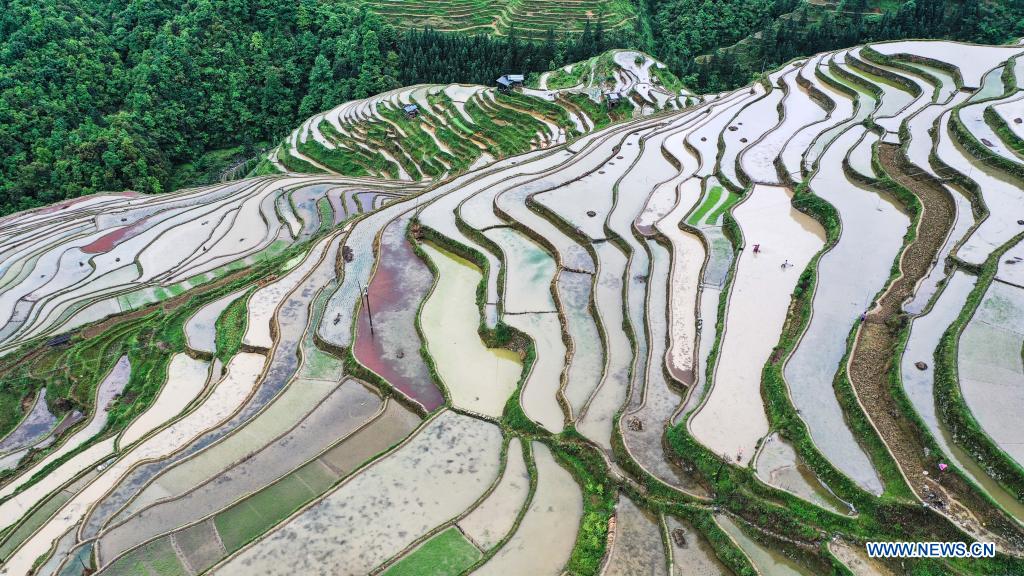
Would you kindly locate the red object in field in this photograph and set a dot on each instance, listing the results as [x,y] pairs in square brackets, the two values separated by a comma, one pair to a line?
[108,241]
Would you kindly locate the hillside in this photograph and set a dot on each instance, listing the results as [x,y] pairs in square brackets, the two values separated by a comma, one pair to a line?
[743,336]
[99,95]
[530,17]
[459,126]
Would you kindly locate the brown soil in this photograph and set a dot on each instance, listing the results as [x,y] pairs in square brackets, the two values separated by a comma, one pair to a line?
[873,359]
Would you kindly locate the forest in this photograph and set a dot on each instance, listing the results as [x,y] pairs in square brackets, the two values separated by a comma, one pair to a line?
[719,45]
[151,96]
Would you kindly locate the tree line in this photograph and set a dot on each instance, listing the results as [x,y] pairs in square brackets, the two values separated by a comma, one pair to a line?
[146,95]
[99,95]
[714,45]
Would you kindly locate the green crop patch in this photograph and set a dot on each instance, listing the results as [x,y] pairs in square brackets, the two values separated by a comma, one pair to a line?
[446,554]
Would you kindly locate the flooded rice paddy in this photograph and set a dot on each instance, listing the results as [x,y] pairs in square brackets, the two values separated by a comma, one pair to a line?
[529,363]
[477,378]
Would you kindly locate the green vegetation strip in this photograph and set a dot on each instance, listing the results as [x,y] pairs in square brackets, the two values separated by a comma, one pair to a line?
[231,326]
[953,409]
[730,201]
[710,199]
[446,554]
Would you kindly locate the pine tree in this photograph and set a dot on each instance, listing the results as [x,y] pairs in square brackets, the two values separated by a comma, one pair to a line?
[321,85]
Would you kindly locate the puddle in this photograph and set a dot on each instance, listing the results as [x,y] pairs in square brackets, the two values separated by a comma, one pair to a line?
[1004,199]
[108,389]
[539,396]
[489,522]
[684,280]
[596,423]
[528,271]
[800,110]
[947,84]
[752,122]
[972,60]
[991,86]
[860,156]
[892,99]
[855,558]
[201,328]
[32,428]
[587,361]
[225,398]
[849,277]
[690,552]
[514,202]
[637,547]
[990,366]
[930,284]
[207,484]
[392,347]
[920,146]
[974,120]
[643,428]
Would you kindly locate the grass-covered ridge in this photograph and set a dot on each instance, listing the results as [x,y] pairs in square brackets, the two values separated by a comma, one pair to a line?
[460,126]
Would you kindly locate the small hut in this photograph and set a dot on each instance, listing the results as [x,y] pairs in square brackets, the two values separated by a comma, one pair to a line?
[411,110]
[510,81]
[612,99]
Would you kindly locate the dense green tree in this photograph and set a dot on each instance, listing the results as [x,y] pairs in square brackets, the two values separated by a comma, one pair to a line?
[114,94]
[321,84]
[136,94]
[751,35]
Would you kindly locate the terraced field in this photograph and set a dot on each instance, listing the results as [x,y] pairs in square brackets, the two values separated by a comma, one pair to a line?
[461,127]
[531,17]
[743,336]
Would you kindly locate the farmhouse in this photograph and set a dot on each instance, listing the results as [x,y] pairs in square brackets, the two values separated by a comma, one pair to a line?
[510,81]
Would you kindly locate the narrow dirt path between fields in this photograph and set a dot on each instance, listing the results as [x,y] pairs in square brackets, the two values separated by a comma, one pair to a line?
[874,358]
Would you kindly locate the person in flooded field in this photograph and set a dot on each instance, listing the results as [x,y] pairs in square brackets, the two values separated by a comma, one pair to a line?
[785,264]
[757,248]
